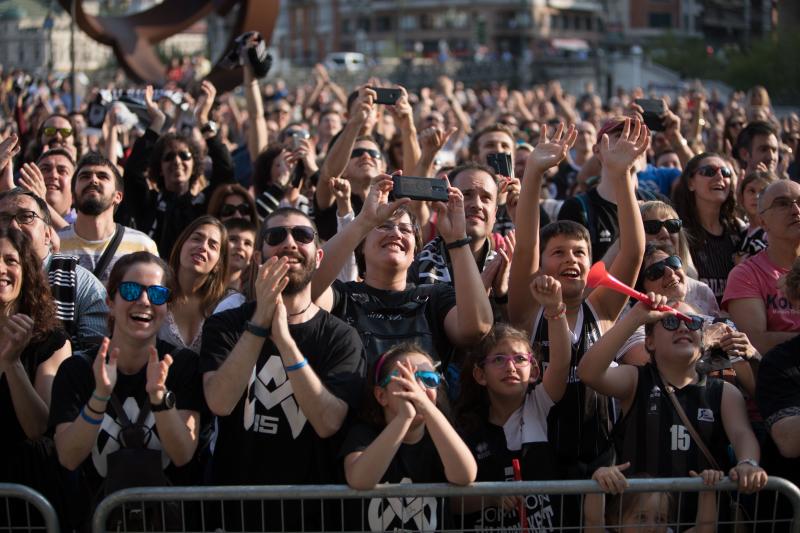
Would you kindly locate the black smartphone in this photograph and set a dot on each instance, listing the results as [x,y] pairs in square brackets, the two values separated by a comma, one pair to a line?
[434,189]
[501,163]
[386,96]
[96,115]
[654,110]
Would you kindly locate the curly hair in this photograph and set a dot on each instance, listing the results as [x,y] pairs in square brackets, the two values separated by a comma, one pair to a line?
[163,142]
[35,298]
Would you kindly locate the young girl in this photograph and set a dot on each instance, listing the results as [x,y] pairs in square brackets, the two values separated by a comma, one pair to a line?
[503,414]
[754,238]
[405,438]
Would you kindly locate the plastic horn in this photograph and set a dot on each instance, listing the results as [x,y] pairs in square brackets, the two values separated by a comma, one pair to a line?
[523,516]
[598,275]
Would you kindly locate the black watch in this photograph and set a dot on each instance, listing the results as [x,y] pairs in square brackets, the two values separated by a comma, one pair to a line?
[167,403]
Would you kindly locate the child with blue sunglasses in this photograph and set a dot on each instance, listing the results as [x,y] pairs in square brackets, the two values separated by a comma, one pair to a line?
[404,437]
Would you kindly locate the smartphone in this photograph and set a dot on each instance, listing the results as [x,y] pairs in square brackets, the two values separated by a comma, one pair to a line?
[501,163]
[386,96]
[434,189]
[96,115]
[297,138]
[653,111]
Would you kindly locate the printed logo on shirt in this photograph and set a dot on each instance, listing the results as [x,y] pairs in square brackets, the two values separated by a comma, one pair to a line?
[107,441]
[605,236]
[482,450]
[705,415]
[654,399]
[269,388]
[778,302]
[538,511]
[413,513]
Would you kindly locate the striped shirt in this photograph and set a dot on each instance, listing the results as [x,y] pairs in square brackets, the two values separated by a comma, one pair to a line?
[90,252]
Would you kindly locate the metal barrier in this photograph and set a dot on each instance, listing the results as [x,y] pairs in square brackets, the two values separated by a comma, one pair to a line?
[426,507]
[21,507]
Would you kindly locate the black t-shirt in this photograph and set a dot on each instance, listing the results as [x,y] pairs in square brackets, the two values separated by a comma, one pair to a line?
[713,257]
[565,179]
[412,463]
[73,387]
[385,318]
[267,439]
[778,396]
[325,219]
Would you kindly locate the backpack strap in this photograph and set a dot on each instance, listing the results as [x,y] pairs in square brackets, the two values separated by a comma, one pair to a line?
[109,252]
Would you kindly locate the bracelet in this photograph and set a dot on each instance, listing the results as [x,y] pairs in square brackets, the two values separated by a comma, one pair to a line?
[459,243]
[562,311]
[90,420]
[95,411]
[297,366]
[258,331]
[100,398]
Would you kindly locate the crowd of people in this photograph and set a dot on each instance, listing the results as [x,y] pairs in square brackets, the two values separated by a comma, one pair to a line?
[229,292]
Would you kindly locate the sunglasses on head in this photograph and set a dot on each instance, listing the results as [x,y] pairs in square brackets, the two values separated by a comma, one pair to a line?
[230,209]
[185,155]
[132,291]
[652,227]
[709,171]
[656,270]
[429,378]
[50,131]
[301,234]
[358,152]
[672,322]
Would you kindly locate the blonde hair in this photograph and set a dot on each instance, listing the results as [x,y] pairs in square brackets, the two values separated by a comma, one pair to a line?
[660,208]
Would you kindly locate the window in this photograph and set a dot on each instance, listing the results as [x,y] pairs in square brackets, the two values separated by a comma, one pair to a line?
[383,24]
[408,22]
[660,20]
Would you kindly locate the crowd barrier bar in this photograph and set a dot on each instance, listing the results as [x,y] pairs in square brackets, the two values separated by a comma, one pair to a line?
[139,496]
[30,498]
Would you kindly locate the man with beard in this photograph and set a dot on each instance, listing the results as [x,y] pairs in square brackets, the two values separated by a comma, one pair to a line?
[278,399]
[94,238]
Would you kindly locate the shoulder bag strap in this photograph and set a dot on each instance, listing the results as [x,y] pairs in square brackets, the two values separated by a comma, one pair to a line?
[109,252]
[689,426]
[120,412]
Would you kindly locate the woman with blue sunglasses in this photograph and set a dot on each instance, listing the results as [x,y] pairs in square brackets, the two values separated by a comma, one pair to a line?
[132,402]
[404,437]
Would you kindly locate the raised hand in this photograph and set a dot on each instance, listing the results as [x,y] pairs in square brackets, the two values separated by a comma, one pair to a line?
[157,117]
[433,139]
[270,282]
[157,372]
[611,479]
[32,179]
[377,208]
[9,148]
[550,152]
[647,313]
[16,336]
[411,389]
[547,291]
[452,223]
[401,110]
[280,321]
[363,104]
[205,102]
[633,141]
[105,373]
[512,188]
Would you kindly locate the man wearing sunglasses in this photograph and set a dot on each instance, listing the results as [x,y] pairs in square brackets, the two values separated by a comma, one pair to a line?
[97,187]
[57,132]
[278,390]
[752,295]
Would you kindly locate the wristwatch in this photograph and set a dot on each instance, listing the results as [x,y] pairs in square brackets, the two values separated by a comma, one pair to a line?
[751,462]
[167,402]
[210,128]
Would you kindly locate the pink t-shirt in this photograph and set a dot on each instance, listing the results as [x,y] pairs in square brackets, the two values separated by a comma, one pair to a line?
[757,277]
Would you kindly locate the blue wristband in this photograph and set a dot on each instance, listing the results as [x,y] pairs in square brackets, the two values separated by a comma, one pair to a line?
[297,366]
[92,421]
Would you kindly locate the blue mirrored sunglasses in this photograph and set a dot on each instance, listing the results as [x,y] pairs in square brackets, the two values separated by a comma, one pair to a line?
[131,291]
[428,378]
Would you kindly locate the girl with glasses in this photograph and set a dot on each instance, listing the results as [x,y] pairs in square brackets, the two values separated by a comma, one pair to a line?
[503,410]
[663,225]
[704,199]
[132,403]
[403,436]
[232,201]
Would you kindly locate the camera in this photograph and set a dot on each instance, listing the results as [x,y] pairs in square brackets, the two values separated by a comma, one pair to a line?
[257,56]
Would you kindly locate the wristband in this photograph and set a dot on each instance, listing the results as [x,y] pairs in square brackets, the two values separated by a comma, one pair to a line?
[297,366]
[562,311]
[100,398]
[90,420]
[95,411]
[751,462]
[258,331]
[459,243]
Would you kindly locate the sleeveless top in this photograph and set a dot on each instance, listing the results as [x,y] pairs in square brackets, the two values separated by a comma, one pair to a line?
[578,426]
[652,436]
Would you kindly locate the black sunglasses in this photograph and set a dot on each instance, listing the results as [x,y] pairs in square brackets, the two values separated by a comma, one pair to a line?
[709,171]
[301,234]
[672,322]
[652,227]
[131,291]
[230,209]
[656,270]
[185,155]
[358,152]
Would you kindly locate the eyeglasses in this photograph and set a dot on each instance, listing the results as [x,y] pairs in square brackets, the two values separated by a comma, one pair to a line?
[132,291]
[23,218]
[500,360]
[230,210]
[388,227]
[709,171]
[656,270]
[358,152]
[429,378]
[783,204]
[51,131]
[185,155]
[653,227]
[301,234]
[672,322]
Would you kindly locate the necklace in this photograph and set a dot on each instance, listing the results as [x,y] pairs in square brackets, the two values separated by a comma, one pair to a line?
[303,311]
